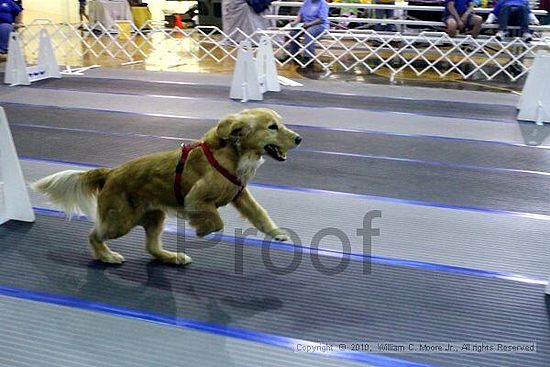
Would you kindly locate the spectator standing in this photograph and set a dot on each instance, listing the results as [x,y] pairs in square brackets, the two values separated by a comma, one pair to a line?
[313,16]
[459,15]
[246,16]
[10,13]
[512,13]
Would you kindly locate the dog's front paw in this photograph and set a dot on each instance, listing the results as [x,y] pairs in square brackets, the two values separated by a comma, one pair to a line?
[279,235]
[281,238]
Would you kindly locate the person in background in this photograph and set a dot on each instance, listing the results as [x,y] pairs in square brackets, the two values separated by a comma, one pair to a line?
[459,15]
[314,17]
[350,12]
[384,13]
[246,16]
[10,18]
[512,13]
[82,11]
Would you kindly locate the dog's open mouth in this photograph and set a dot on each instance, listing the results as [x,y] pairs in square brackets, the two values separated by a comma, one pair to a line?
[275,152]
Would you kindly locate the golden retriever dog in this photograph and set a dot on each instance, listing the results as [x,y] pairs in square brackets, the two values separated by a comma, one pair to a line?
[141,191]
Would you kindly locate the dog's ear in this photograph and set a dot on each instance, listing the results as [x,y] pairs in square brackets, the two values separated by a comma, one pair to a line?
[231,127]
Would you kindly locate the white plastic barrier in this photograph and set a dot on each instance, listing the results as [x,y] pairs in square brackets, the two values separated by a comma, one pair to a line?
[534,104]
[253,78]
[245,84]
[266,67]
[485,59]
[17,72]
[14,201]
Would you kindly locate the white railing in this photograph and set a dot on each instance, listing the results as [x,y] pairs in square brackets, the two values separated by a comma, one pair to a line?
[396,6]
[428,52]
[402,21]
[400,18]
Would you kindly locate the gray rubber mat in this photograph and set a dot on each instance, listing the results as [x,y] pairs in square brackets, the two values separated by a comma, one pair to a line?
[481,154]
[290,97]
[76,338]
[388,122]
[391,303]
[511,191]
[467,239]
[432,91]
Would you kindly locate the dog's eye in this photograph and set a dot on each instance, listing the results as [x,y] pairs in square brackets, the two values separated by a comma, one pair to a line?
[273,127]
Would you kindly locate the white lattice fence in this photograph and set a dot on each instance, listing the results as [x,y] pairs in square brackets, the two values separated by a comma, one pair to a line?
[428,52]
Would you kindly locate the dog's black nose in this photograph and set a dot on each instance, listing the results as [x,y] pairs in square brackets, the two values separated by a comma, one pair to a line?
[298,140]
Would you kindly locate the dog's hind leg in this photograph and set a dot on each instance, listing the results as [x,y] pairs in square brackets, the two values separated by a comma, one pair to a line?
[153,222]
[97,238]
[115,218]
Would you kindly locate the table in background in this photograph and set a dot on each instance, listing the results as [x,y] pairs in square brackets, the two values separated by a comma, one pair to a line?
[107,12]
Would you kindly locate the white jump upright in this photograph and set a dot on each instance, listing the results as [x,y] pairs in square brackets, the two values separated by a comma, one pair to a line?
[534,103]
[18,73]
[245,84]
[14,203]
[266,67]
[252,78]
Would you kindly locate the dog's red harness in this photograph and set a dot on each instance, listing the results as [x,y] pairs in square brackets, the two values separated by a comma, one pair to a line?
[185,150]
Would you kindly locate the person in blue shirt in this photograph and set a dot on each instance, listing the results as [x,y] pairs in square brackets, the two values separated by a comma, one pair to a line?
[9,14]
[314,17]
[459,15]
[512,12]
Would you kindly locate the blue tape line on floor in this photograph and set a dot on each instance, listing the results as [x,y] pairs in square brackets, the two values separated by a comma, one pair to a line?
[339,193]
[402,201]
[423,136]
[221,330]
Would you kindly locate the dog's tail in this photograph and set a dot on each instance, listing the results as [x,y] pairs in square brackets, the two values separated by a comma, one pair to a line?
[74,191]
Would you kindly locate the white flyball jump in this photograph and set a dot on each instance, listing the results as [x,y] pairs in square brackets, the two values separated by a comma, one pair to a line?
[251,79]
[266,67]
[17,71]
[534,103]
[14,200]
